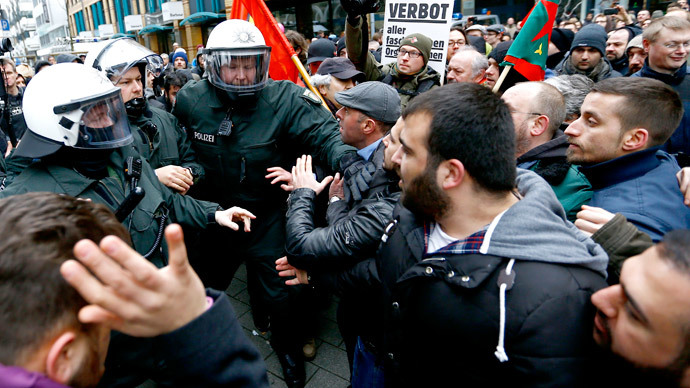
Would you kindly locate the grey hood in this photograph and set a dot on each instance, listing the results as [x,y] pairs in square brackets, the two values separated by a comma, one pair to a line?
[536,229]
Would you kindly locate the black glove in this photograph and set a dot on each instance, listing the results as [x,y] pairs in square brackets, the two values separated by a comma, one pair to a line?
[355,8]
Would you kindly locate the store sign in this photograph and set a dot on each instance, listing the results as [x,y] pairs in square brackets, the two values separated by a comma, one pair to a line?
[134,22]
[106,30]
[405,17]
[172,10]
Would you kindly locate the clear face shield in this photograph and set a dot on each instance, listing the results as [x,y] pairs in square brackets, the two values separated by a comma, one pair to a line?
[122,54]
[240,71]
[103,123]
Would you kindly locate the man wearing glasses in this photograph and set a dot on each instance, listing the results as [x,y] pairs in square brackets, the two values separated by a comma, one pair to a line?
[409,75]
[667,41]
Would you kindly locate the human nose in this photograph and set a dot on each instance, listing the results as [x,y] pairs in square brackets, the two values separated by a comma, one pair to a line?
[572,129]
[397,156]
[609,300]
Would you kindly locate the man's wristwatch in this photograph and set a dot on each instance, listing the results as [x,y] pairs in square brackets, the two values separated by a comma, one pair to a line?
[333,199]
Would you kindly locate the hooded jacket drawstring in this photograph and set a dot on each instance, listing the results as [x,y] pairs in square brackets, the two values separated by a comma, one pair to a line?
[505,284]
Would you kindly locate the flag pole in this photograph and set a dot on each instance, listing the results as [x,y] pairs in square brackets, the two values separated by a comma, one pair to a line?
[504,73]
[307,79]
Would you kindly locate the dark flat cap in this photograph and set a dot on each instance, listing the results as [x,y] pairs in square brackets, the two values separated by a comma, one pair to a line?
[340,68]
[319,50]
[375,99]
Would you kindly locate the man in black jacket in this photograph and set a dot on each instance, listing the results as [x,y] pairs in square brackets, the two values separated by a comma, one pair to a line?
[479,280]
[360,205]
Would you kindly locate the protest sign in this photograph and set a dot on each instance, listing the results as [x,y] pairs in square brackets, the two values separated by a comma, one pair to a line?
[404,17]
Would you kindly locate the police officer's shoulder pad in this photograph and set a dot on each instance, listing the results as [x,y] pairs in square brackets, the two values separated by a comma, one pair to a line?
[310,96]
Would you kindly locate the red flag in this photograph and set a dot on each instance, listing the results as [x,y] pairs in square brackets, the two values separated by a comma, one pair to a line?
[281,66]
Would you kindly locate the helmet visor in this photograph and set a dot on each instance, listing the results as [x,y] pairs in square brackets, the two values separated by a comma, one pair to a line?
[238,70]
[104,123]
[122,54]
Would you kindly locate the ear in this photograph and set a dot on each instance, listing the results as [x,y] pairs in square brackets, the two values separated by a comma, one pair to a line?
[646,44]
[539,126]
[480,76]
[635,139]
[368,126]
[323,89]
[451,173]
[62,363]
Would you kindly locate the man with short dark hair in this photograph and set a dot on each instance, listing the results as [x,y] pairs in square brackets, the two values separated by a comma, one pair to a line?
[646,318]
[666,41]
[617,141]
[616,47]
[58,334]
[173,82]
[537,110]
[447,263]
[587,55]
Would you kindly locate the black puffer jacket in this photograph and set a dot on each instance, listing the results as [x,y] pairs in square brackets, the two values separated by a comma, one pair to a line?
[354,230]
[442,321]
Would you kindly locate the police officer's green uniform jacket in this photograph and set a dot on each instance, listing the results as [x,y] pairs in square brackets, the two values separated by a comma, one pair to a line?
[284,122]
[408,87]
[166,144]
[143,222]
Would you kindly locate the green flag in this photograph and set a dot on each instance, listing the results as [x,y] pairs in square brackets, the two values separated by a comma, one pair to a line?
[530,49]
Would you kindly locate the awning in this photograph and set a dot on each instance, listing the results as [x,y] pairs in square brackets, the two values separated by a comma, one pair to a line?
[121,35]
[201,17]
[151,28]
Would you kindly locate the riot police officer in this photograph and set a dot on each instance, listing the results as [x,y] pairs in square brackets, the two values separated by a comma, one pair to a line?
[157,134]
[77,126]
[241,123]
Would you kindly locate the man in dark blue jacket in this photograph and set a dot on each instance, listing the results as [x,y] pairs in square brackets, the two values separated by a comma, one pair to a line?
[666,41]
[617,140]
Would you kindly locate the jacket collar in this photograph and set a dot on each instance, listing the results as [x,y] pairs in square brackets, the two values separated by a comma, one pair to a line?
[621,169]
[669,79]
[16,377]
[555,147]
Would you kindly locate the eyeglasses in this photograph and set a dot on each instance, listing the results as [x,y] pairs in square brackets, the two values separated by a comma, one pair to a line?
[526,113]
[412,54]
[675,45]
[452,43]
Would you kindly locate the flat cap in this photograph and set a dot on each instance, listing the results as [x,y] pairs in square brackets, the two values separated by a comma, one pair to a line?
[340,68]
[375,99]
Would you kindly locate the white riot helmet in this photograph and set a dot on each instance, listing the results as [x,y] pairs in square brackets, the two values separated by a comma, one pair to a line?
[72,105]
[237,58]
[115,57]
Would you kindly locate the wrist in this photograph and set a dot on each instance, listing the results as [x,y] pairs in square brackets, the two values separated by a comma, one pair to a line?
[333,199]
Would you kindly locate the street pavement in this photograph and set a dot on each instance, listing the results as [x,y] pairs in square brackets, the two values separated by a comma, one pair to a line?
[329,369]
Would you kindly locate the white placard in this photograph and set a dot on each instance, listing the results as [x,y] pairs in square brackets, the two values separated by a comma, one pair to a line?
[105,30]
[405,17]
[134,22]
[172,10]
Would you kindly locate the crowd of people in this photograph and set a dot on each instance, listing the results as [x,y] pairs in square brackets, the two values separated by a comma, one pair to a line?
[534,236]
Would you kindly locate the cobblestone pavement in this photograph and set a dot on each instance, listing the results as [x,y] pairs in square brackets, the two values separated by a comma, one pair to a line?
[329,369]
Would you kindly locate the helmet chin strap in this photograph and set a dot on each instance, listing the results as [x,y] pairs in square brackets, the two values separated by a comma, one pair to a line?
[135,107]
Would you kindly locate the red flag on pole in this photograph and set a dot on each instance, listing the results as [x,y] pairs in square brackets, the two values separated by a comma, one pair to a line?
[281,66]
